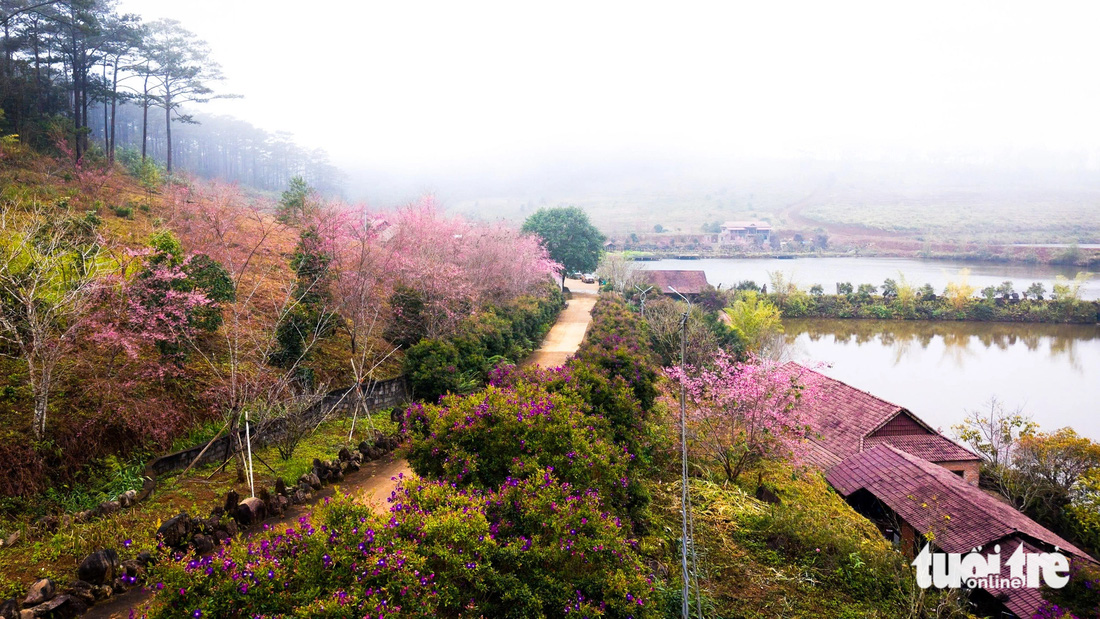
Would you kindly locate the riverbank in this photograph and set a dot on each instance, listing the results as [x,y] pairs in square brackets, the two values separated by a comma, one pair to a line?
[937,308]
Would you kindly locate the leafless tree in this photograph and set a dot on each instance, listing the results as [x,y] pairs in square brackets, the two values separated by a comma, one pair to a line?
[48,278]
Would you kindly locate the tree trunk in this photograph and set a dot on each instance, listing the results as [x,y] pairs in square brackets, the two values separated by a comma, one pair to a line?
[114,112]
[145,116]
[168,128]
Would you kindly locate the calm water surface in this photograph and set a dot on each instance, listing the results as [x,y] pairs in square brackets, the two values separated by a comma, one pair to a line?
[940,370]
[859,270]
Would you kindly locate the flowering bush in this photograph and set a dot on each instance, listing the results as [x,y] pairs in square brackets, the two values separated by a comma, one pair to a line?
[532,548]
[484,439]
[617,344]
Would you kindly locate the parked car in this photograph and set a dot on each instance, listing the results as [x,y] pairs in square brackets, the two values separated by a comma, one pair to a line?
[588,278]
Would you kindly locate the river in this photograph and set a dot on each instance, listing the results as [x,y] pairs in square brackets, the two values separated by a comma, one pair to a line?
[941,370]
[862,270]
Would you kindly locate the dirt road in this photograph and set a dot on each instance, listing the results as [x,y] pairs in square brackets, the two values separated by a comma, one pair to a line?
[568,332]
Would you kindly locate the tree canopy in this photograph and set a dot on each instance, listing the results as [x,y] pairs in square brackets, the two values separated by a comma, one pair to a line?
[570,238]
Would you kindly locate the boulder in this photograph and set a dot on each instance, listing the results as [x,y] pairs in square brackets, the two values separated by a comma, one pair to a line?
[250,511]
[337,475]
[128,498]
[26,613]
[103,592]
[47,523]
[144,558]
[82,591]
[265,498]
[12,539]
[133,568]
[107,508]
[343,455]
[351,466]
[314,481]
[176,531]
[280,487]
[41,591]
[61,607]
[9,609]
[202,543]
[231,501]
[364,447]
[221,536]
[99,567]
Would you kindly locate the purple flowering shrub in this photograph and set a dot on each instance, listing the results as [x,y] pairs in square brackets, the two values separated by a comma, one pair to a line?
[1079,598]
[513,431]
[532,548]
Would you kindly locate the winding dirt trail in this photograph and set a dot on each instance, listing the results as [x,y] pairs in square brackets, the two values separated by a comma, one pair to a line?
[376,481]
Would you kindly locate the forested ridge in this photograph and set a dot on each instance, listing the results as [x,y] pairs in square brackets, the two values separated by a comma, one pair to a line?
[113,85]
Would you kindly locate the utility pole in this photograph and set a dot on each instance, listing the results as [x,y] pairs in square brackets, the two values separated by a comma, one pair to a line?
[644,293]
[685,497]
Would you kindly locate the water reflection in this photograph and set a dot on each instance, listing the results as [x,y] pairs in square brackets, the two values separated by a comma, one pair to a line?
[961,339]
[941,369]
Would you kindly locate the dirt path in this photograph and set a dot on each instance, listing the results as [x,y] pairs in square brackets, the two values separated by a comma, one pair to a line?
[568,332]
[373,484]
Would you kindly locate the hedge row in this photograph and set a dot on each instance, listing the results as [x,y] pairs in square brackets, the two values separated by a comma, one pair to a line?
[938,308]
[496,335]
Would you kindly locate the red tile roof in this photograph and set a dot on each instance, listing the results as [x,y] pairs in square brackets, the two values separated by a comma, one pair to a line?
[685,282]
[1025,601]
[932,447]
[931,498]
[845,418]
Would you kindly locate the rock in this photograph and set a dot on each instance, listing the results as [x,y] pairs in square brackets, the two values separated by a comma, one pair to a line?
[265,498]
[103,592]
[298,497]
[351,466]
[767,495]
[217,512]
[133,568]
[144,558]
[99,567]
[364,447]
[221,536]
[374,453]
[176,531]
[41,591]
[9,609]
[61,607]
[231,527]
[343,455]
[128,498]
[12,540]
[314,482]
[337,476]
[231,501]
[118,586]
[202,543]
[83,591]
[26,613]
[250,511]
[47,523]
[107,508]
[280,487]
[282,503]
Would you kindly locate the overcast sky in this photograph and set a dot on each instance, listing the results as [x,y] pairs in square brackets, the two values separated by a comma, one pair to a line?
[410,84]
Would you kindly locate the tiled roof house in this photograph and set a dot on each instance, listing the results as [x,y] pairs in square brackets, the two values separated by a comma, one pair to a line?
[908,497]
[849,421]
[687,283]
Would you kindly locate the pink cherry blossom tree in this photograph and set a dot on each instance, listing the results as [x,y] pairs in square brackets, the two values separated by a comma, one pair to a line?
[742,413]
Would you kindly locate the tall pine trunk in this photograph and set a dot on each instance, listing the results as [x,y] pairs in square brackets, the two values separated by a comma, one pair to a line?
[168,127]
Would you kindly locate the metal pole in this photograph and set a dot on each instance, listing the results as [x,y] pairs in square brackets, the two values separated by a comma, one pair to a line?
[686,608]
[248,442]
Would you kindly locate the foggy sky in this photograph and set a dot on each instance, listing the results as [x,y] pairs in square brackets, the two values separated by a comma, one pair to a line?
[412,87]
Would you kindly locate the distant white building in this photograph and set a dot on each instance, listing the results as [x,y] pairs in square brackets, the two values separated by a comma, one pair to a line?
[737,230]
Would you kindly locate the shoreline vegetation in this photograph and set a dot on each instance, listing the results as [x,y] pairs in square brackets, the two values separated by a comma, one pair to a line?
[900,300]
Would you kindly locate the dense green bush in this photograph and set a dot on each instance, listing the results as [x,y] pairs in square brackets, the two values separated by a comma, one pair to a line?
[530,549]
[925,307]
[459,363]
